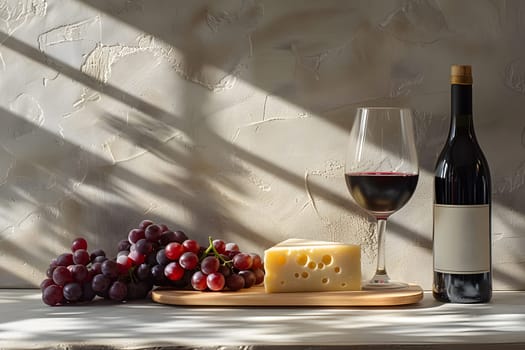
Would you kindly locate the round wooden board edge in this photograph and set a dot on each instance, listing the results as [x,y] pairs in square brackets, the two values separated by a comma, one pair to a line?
[256,296]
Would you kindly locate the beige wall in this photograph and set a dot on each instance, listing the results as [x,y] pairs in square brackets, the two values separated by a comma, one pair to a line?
[230,118]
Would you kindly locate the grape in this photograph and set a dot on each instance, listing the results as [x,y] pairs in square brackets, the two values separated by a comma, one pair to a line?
[124,244]
[242,261]
[65,259]
[100,259]
[46,283]
[259,275]
[231,253]
[145,223]
[159,278]
[54,263]
[173,251]
[136,234]
[79,272]
[210,264]
[134,292]
[161,257]
[137,257]
[198,281]
[155,245]
[96,267]
[81,256]
[118,291]
[234,282]
[104,294]
[110,269]
[151,258]
[79,243]
[183,282]
[173,271]
[215,281]
[143,272]
[97,252]
[163,228]
[189,260]
[62,276]
[256,261]
[143,246]
[233,247]
[52,295]
[138,290]
[91,274]
[100,283]
[147,286]
[122,252]
[180,236]
[153,233]
[88,293]
[201,252]
[72,291]
[225,270]
[219,246]
[49,272]
[167,237]
[191,245]
[249,278]
[124,261]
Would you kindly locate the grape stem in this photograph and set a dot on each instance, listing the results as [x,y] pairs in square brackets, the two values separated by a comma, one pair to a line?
[215,252]
[130,273]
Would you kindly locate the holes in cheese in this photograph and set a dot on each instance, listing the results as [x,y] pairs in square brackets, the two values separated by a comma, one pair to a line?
[327,259]
[312,266]
[302,259]
[281,260]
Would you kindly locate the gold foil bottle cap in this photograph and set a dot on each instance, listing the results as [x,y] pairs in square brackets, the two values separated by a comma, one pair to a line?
[460,74]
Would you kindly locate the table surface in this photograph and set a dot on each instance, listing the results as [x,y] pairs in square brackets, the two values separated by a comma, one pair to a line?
[27,323]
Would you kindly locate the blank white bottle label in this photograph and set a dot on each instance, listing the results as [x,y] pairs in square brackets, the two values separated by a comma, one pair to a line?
[462,238]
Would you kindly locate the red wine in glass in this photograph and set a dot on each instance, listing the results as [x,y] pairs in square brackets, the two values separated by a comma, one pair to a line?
[381,193]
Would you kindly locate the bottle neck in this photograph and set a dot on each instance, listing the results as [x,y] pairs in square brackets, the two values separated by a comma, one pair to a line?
[461,122]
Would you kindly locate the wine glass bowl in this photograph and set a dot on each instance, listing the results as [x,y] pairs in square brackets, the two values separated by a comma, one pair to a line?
[381,172]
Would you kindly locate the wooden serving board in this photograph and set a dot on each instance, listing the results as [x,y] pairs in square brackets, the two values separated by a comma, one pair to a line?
[256,296]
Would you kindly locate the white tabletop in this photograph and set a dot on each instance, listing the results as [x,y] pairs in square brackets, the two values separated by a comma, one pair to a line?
[27,323]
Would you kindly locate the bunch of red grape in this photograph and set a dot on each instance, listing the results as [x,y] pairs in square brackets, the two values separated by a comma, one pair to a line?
[152,255]
[221,265]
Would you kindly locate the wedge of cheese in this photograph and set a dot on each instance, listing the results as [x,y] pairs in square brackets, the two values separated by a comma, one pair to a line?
[299,265]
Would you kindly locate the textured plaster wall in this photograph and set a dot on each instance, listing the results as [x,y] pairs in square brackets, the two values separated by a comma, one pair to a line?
[230,118]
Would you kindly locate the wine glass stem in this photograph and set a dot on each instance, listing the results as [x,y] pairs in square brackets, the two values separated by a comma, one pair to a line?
[381,268]
[381,278]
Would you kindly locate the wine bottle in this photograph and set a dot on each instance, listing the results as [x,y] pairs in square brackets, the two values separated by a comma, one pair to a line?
[462,206]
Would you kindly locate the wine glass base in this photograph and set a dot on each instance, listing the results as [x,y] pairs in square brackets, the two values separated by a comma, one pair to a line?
[371,285]
[381,280]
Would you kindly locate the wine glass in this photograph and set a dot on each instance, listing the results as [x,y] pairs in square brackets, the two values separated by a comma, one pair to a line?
[381,172]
